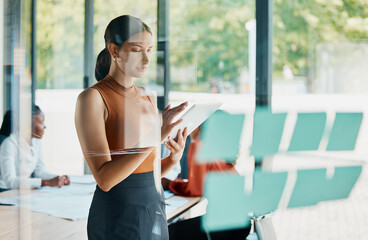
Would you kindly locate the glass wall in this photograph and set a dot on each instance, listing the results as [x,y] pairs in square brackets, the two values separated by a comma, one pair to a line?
[320,59]
[319,65]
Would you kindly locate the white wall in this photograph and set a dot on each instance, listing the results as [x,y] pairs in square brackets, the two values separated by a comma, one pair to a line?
[62,152]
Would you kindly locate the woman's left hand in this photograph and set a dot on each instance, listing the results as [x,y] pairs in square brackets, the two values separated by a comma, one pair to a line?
[177,147]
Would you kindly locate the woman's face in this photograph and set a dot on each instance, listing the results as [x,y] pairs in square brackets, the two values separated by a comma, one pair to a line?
[134,55]
[38,126]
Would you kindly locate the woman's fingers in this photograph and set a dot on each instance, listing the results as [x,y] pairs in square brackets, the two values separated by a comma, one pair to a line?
[66,179]
[173,143]
[176,110]
[181,106]
[185,133]
[167,108]
[176,123]
[60,181]
[180,138]
[171,149]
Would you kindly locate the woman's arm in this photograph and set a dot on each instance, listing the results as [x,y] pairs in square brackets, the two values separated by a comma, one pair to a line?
[90,124]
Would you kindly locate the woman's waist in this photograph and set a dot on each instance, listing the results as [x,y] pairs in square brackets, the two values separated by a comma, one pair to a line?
[136,189]
[146,166]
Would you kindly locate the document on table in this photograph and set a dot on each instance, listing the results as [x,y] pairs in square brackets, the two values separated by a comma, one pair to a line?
[85,179]
[174,203]
[69,202]
[168,194]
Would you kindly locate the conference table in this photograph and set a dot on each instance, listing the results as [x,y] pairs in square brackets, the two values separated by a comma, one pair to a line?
[41,226]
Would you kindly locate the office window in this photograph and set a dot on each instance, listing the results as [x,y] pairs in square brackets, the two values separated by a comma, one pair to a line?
[60,39]
[59,71]
[320,47]
[210,46]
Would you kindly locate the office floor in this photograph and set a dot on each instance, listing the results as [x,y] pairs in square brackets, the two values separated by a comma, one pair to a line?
[340,219]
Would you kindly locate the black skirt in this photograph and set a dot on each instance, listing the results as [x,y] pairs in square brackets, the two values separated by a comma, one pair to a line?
[133,209]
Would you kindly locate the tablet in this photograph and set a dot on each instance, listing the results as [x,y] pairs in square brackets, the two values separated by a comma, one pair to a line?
[195,116]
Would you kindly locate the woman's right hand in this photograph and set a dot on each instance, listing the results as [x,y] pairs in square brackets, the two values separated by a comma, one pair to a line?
[58,181]
[168,115]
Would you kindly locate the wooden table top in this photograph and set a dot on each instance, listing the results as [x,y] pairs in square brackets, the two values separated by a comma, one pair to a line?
[44,227]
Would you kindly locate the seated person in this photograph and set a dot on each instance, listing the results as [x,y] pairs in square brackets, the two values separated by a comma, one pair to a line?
[5,129]
[193,188]
[196,172]
[27,149]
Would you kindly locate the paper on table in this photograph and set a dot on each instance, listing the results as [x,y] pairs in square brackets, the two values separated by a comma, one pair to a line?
[229,206]
[267,131]
[85,179]
[220,137]
[176,201]
[169,209]
[69,190]
[70,202]
[313,186]
[308,132]
[168,194]
[344,132]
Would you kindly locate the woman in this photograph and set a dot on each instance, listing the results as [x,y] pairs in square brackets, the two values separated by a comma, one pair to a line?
[194,185]
[17,149]
[5,129]
[116,124]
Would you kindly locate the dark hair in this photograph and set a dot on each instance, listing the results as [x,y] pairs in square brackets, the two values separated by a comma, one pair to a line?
[117,31]
[36,110]
[6,127]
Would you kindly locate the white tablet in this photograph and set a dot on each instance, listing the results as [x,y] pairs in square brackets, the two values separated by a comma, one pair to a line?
[195,116]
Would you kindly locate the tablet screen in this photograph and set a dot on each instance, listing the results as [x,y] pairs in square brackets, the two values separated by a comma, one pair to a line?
[195,116]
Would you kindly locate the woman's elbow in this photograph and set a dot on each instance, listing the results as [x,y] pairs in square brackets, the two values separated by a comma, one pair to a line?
[104,186]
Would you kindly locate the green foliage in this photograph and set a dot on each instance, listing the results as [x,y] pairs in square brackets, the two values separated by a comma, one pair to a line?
[210,35]
[60,36]
[207,34]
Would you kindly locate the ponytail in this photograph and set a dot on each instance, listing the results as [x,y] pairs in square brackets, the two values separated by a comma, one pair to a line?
[103,63]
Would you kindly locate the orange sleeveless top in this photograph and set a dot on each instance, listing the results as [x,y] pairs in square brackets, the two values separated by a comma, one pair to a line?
[132,121]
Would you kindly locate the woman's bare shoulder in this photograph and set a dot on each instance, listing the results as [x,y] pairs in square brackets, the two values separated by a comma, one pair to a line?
[89,94]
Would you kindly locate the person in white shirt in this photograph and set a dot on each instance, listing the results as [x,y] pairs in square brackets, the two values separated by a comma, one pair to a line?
[5,129]
[16,150]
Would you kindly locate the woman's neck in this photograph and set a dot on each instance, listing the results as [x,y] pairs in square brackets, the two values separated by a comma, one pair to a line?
[121,78]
